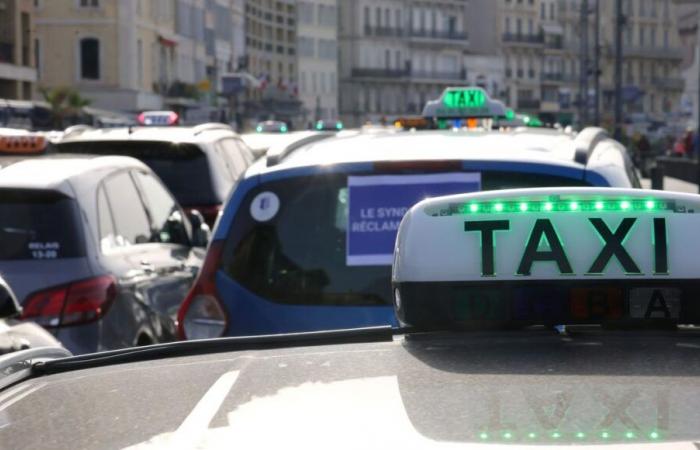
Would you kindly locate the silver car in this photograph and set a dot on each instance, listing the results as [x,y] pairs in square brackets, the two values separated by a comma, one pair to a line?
[96,249]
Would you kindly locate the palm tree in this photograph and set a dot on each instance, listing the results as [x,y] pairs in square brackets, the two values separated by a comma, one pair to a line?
[65,102]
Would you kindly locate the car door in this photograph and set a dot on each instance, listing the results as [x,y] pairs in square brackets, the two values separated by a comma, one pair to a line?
[124,241]
[171,254]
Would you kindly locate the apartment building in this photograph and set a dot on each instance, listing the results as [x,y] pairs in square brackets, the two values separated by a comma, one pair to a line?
[18,73]
[522,49]
[317,63]
[119,54]
[397,54]
[542,44]
[210,45]
[688,16]
[271,58]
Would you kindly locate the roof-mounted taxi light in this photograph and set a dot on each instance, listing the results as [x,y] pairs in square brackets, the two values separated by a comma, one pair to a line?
[464,103]
[406,123]
[158,118]
[23,144]
[549,256]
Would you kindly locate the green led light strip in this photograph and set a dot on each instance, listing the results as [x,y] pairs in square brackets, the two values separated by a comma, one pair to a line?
[602,205]
[560,436]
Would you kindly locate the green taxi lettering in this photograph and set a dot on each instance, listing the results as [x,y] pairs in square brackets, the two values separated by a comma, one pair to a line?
[543,232]
[464,98]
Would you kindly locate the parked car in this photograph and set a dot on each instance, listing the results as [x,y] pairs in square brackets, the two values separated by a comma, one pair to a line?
[96,248]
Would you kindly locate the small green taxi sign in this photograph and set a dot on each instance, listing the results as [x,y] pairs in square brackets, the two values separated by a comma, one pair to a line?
[464,98]
[464,102]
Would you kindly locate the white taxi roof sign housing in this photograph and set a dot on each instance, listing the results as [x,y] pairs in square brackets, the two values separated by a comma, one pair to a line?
[464,102]
[627,242]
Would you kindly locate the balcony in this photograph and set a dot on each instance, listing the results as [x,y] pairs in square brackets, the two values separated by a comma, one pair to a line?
[379,73]
[669,83]
[384,31]
[438,75]
[528,104]
[646,52]
[439,34]
[528,39]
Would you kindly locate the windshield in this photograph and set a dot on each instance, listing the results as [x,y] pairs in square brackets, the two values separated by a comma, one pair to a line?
[183,167]
[300,256]
[232,177]
[28,226]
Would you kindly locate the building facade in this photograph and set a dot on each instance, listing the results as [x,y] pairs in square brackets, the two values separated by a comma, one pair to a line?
[317,63]
[543,43]
[18,73]
[522,49]
[397,54]
[210,44]
[120,55]
[688,13]
[271,60]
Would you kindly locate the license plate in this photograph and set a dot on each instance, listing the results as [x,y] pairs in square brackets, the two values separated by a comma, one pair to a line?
[655,303]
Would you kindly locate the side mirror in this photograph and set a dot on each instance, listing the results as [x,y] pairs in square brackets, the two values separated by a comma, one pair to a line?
[201,233]
[9,306]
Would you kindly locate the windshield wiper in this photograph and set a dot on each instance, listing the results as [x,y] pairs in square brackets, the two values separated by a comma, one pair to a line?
[219,345]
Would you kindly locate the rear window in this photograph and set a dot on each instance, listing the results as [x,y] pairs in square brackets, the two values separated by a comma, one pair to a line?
[39,225]
[299,256]
[182,167]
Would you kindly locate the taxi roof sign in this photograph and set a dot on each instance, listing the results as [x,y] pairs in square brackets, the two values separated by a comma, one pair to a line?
[22,144]
[565,246]
[464,102]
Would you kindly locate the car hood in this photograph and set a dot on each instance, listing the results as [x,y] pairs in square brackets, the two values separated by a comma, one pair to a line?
[417,392]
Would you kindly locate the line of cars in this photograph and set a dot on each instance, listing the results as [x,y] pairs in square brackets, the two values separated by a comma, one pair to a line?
[102,236]
[303,237]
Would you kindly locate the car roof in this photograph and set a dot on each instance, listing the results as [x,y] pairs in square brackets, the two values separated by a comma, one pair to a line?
[265,140]
[437,386]
[544,146]
[201,134]
[51,172]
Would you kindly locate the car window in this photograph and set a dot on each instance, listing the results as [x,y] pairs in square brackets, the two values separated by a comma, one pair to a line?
[105,222]
[234,153]
[246,152]
[130,218]
[28,227]
[183,167]
[299,255]
[167,222]
[227,166]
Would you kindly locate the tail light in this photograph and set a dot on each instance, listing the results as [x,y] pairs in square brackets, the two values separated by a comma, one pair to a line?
[201,315]
[209,212]
[72,304]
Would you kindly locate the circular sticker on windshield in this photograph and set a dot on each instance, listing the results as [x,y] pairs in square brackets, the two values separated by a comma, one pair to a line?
[264,206]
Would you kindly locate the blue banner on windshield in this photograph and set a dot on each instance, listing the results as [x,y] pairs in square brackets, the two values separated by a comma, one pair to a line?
[377,203]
